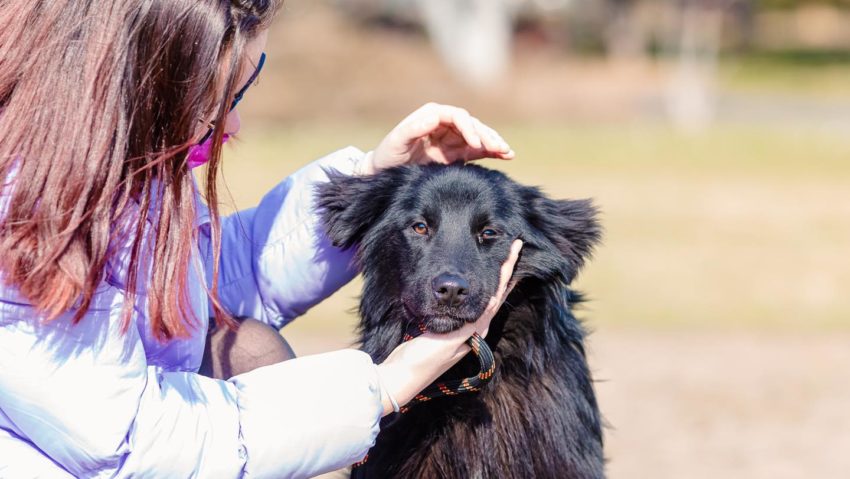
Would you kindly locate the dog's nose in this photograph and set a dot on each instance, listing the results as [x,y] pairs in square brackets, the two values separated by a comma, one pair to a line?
[450,289]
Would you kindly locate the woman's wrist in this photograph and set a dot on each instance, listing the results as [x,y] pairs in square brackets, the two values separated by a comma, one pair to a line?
[388,401]
[392,387]
[366,165]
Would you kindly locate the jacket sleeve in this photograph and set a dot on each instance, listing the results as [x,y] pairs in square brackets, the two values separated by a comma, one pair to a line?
[276,261]
[82,401]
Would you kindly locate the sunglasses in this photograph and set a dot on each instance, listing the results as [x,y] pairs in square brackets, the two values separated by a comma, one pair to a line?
[240,93]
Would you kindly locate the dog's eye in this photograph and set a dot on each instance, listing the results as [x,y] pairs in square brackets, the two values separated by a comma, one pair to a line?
[489,234]
[420,228]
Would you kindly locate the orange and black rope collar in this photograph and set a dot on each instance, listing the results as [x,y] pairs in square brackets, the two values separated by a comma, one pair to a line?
[487,365]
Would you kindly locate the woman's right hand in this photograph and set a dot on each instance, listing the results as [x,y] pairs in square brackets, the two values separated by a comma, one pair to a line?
[415,364]
[437,134]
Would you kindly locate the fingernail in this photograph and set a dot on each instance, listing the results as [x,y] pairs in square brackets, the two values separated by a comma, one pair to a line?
[429,121]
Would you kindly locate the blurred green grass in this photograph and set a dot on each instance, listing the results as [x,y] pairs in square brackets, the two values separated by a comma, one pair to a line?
[739,227]
[814,74]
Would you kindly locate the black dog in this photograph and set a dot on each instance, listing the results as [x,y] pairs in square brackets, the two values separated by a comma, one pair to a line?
[431,240]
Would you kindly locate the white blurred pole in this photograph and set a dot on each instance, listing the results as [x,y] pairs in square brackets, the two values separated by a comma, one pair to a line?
[473,37]
[691,95]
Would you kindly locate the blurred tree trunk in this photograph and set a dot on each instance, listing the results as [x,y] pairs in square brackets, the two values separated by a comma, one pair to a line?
[624,38]
[744,14]
[473,37]
[691,96]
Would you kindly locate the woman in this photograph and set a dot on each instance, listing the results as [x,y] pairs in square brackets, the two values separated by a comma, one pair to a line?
[112,265]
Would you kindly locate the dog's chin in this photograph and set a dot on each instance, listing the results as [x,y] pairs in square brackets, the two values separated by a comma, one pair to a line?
[443,324]
[436,321]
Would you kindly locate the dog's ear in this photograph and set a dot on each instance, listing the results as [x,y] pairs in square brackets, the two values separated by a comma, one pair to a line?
[570,225]
[349,205]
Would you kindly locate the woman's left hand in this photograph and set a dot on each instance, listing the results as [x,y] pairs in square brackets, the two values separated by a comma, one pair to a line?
[437,134]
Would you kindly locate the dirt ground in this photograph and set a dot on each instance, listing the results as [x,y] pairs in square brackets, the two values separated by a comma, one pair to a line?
[709,405]
[714,404]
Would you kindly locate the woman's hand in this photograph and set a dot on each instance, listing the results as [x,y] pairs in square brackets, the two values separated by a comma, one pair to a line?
[437,134]
[415,364]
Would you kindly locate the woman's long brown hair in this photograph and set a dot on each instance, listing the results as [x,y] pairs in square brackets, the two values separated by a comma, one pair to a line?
[99,103]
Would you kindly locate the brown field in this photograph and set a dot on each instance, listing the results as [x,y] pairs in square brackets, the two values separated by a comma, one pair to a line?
[754,405]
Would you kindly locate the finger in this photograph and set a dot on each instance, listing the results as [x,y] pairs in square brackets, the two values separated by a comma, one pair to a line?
[428,109]
[416,127]
[511,287]
[482,325]
[507,269]
[469,154]
[510,155]
[492,141]
[492,145]
[429,151]
[496,301]
[483,334]
[429,117]
[464,123]
[461,121]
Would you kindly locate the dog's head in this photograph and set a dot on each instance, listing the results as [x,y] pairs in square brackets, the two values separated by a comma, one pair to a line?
[431,239]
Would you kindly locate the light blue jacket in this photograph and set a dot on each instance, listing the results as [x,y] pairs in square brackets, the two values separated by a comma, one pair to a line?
[89,401]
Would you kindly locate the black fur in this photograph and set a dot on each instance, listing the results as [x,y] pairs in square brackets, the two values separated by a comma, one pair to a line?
[538,418]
